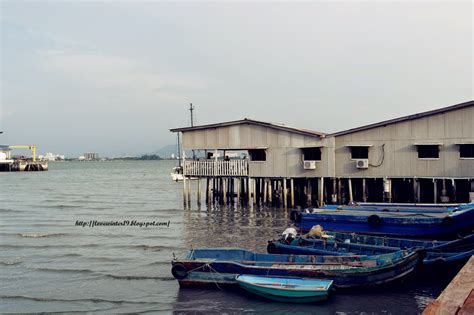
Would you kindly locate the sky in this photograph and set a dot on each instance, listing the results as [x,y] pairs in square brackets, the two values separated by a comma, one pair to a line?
[114,76]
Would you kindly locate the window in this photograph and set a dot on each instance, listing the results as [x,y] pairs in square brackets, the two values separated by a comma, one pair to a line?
[312,154]
[359,153]
[466,151]
[428,151]
[258,155]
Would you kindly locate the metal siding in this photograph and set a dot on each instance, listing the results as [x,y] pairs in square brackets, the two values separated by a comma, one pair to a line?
[401,158]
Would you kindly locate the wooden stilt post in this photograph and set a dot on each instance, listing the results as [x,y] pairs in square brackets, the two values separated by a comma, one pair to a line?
[207,190]
[249,188]
[189,193]
[265,192]
[455,198]
[254,189]
[270,200]
[418,191]
[435,191]
[185,193]
[364,190]
[321,192]
[334,191]
[351,199]
[224,187]
[199,192]
[238,190]
[292,191]
[339,191]
[285,194]
[309,193]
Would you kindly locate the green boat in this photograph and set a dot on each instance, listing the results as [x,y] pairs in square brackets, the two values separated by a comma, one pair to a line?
[282,289]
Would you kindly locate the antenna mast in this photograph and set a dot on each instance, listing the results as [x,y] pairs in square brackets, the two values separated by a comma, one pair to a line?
[191,108]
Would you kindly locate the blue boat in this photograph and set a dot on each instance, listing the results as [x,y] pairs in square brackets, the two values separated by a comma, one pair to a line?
[353,244]
[220,266]
[442,258]
[294,290]
[397,207]
[390,223]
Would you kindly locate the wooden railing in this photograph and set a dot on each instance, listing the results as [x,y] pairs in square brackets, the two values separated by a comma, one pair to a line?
[216,168]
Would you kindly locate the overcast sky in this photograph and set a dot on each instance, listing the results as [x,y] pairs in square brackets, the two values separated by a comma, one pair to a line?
[114,77]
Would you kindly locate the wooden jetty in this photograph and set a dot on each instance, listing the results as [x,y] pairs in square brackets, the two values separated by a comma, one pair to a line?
[458,297]
[422,158]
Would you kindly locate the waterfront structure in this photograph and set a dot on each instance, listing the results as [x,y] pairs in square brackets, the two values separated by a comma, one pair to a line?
[422,158]
[91,156]
[9,163]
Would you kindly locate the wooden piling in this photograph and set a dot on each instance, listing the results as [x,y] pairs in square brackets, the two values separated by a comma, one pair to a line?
[309,193]
[350,190]
[270,199]
[207,190]
[189,193]
[249,189]
[185,193]
[238,190]
[364,190]
[285,194]
[321,191]
[265,191]
[435,191]
[292,188]
[199,192]
[254,190]
[224,188]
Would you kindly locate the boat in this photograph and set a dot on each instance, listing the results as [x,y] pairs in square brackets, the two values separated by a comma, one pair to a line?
[220,266]
[390,223]
[177,173]
[396,207]
[294,290]
[353,244]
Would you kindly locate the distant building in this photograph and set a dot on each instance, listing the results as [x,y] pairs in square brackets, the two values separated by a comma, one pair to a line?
[91,156]
[51,157]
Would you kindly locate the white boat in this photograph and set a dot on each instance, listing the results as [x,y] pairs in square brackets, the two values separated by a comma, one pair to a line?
[177,174]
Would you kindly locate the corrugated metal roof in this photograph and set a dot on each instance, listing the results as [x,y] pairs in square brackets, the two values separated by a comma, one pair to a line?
[404,118]
[253,122]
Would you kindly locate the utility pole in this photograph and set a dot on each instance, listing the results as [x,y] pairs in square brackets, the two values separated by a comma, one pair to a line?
[191,108]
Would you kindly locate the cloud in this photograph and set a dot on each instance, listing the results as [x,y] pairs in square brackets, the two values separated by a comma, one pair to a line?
[107,71]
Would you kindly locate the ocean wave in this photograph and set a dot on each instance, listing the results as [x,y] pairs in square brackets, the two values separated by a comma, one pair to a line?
[6,262]
[6,246]
[88,271]
[71,255]
[125,277]
[40,235]
[159,263]
[10,211]
[150,247]
[46,299]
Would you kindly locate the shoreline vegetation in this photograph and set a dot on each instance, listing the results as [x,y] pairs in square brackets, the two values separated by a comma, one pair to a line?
[146,157]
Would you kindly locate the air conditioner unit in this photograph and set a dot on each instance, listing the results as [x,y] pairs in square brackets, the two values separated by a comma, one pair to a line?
[309,165]
[362,163]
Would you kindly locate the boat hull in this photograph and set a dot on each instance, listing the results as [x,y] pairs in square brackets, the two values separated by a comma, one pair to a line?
[197,272]
[292,290]
[393,224]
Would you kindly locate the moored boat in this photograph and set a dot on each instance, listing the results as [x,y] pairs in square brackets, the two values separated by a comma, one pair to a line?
[390,223]
[396,207]
[221,266]
[353,244]
[294,290]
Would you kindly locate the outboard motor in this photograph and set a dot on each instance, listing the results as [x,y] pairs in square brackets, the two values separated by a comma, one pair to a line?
[289,235]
